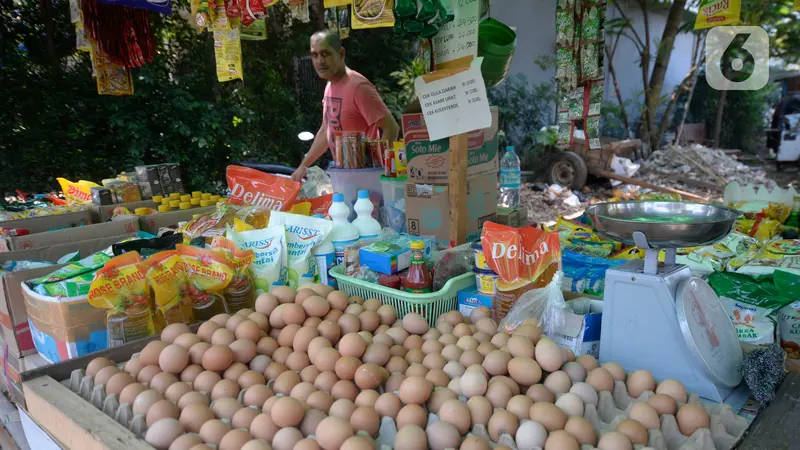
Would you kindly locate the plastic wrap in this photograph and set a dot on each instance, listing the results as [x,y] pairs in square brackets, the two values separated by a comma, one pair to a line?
[317,184]
[212,224]
[452,263]
[545,306]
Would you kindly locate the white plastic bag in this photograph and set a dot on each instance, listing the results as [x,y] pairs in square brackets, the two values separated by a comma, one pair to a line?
[545,305]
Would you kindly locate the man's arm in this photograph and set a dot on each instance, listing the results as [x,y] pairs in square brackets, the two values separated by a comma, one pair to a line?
[389,128]
[318,148]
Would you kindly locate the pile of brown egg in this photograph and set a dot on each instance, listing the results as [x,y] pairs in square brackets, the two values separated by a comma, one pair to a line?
[318,369]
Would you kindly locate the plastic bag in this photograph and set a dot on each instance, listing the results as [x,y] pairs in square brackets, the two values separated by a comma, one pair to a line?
[269,245]
[317,184]
[253,187]
[519,255]
[302,234]
[214,223]
[544,307]
[452,263]
[77,192]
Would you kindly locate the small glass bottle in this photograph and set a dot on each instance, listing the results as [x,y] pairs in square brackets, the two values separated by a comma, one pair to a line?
[129,325]
[418,279]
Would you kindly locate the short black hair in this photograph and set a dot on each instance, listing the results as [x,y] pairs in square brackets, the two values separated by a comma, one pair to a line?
[330,37]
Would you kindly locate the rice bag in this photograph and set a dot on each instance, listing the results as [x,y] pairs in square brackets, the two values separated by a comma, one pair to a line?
[121,288]
[167,278]
[269,266]
[303,233]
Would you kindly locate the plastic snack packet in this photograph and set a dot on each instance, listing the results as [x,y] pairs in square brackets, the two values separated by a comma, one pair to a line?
[168,282]
[302,234]
[121,288]
[208,273]
[269,248]
[89,264]
[240,293]
[713,13]
[253,187]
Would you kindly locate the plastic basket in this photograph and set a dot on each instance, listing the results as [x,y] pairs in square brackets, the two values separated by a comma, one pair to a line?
[430,306]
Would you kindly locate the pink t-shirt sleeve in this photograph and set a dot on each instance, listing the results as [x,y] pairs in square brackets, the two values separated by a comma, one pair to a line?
[370,104]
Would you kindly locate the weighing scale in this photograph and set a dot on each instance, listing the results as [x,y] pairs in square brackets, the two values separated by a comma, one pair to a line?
[657,316]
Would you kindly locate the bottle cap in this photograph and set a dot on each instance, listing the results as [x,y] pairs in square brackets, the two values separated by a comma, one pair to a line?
[165,201]
[417,245]
[510,148]
[174,203]
[197,194]
[205,196]
[175,195]
[186,198]
[164,208]
[337,197]
[185,205]
[157,198]
[205,203]
[363,193]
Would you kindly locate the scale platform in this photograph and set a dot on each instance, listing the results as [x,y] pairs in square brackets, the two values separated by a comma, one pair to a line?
[656,315]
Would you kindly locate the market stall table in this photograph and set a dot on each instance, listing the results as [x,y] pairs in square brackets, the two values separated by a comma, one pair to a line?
[776,426]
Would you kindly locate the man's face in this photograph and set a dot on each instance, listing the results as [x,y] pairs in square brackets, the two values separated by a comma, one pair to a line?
[327,61]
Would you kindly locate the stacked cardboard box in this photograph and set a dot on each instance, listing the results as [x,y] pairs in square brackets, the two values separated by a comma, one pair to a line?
[159,179]
[40,239]
[426,191]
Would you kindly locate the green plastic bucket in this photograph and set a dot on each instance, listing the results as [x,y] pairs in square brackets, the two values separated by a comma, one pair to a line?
[496,44]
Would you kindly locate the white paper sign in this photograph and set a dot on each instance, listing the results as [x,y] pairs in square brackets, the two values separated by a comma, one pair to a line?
[459,38]
[455,104]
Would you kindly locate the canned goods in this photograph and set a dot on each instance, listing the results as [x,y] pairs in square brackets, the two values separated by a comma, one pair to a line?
[486,281]
[480,257]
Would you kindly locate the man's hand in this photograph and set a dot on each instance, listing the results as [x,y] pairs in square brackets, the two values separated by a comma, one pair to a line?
[300,173]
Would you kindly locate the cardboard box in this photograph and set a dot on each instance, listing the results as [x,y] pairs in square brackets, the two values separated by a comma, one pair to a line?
[470,298]
[13,313]
[513,217]
[151,223]
[429,161]
[99,230]
[428,208]
[149,182]
[177,180]
[101,214]
[46,223]
[581,328]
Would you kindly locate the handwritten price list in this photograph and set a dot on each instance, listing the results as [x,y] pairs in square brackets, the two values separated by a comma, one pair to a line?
[459,38]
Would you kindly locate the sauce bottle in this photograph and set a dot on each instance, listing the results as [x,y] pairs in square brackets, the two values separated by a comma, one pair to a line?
[418,279]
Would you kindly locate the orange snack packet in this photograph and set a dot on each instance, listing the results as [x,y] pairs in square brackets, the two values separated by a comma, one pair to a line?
[253,187]
[519,255]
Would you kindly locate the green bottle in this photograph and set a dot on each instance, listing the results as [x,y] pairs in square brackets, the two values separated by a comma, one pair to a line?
[428,10]
[404,9]
[794,218]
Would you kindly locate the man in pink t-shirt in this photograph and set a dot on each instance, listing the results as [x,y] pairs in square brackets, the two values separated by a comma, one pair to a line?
[351,102]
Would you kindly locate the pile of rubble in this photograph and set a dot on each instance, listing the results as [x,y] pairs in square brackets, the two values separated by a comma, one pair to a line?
[699,168]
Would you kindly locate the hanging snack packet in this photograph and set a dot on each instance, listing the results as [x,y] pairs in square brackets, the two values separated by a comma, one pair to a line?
[372,14]
[167,279]
[269,248]
[240,293]
[253,187]
[80,192]
[712,13]
[121,288]
[208,273]
[302,234]
[519,255]
[228,54]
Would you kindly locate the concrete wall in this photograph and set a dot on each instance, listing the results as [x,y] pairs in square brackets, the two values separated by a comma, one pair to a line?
[534,21]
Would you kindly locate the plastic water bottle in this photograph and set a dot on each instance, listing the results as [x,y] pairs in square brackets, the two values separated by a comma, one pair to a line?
[509,179]
[343,234]
[368,227]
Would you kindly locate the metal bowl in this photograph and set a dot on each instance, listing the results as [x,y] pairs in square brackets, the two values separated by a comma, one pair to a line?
[665,224]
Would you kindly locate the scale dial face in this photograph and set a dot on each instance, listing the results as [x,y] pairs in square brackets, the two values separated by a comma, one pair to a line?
[708,331]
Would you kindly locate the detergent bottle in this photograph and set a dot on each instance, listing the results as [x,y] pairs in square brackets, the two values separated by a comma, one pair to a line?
[368,227]
[343,234]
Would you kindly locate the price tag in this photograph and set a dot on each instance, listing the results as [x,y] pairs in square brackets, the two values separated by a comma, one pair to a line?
[454,103]
[457,41]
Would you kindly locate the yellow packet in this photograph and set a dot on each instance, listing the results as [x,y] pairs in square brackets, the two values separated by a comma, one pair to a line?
[778,211]
[240,225]
[167,279]
[228,54]
[77,192]
[712,13]
[208,273]
[302,208]
[743,225]
[796,5]
[372,14]
[112,78]
[121,288]
[241,292]
[765,229]
[628,254]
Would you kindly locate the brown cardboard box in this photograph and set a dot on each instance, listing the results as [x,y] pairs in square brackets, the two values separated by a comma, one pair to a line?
[513,217]
[13,367]
[103,213]
[13,313]
[46,223]
[428,208]
[99,230]
[151,223]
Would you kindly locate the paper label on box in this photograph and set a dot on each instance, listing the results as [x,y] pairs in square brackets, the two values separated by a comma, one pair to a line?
[455,104]
[458,40]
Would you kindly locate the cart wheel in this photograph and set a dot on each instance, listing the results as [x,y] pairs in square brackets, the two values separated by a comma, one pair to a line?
[568,169]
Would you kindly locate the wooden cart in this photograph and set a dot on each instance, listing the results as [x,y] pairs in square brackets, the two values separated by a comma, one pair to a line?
[571,168]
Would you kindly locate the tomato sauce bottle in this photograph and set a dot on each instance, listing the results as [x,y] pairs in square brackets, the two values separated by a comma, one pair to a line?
[418,279]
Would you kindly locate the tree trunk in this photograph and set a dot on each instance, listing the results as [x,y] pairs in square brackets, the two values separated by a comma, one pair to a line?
[661,63]
[613,72]
[49,29]
[723,97]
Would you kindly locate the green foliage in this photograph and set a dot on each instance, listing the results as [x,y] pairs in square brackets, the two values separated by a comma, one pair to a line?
[55,124]
[397,97]
[746,113]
